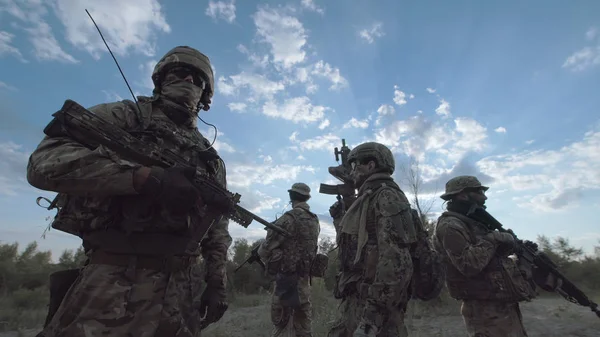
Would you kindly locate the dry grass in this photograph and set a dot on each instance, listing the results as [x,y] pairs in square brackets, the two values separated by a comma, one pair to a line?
[547,316]
[249,315]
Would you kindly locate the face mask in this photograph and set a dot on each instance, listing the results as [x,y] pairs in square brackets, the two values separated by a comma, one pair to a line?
[181,92]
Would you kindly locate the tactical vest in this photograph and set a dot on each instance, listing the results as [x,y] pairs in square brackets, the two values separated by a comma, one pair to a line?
[500,280]
[136,224]
[299,251]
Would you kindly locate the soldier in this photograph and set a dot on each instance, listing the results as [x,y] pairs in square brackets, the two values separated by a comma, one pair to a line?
[140,225]
[478,269]
[289,261]
[375,238]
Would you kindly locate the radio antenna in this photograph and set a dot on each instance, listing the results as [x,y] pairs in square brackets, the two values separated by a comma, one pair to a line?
[117,63]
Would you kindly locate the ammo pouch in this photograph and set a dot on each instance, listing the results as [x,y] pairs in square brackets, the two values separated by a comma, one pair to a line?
[60,283]
[319,265]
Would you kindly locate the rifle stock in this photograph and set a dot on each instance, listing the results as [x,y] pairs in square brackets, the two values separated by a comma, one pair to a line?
[91,131]
[528,252]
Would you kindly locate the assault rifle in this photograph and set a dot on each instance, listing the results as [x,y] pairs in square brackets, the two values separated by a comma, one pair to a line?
[528,253]
[91,131]
[254,257]
[341,172]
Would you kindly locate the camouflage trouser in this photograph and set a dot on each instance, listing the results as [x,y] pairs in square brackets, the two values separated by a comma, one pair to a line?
[492,319]
[351,311]
[104,301]
[289,321]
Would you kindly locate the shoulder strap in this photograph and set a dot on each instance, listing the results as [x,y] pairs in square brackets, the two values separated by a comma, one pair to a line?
[144,115]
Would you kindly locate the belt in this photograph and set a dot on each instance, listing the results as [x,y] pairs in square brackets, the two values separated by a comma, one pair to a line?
[159,263]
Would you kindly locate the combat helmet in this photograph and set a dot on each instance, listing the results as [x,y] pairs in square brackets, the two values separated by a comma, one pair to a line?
[459,184]
[300,188]
[185,56]
[381,153]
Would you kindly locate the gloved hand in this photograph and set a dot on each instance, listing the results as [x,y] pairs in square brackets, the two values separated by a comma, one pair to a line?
[173,187]
[213,305]
[365,330]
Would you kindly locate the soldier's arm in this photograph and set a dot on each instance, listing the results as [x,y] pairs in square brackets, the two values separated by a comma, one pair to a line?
[214,247]
[274,240]
[468,257]
[395,232]
[62,165]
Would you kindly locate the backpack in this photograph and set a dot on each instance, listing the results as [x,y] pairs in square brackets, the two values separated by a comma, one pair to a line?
[429,273]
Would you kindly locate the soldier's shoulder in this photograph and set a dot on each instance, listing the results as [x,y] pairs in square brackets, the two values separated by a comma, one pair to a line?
[124,112]
[389,201]
[446,221]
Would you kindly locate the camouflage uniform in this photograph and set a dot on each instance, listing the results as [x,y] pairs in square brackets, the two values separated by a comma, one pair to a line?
[289,260]
[142,277]
[489,283]
[375,238]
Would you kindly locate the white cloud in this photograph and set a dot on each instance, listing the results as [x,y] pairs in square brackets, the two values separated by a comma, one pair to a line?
[284,33]
[112,95]
[325,123]
[355,123]
[332,74]
[416,136]
[310,5]
[375,31]
[46,46]
[399,96]
[245,175]
[262,202]
[7,86]
[565,174]
[221,9]
[256,60]
[239,107]
[297,109]
[259,85]
[325,142]
[386,109]
[585,58]
[500,129]
[219,144]
[6,46]
[430,90]
[443,109]
[529,142]
[126,25]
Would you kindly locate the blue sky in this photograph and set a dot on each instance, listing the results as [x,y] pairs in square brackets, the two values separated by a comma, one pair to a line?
[507,91]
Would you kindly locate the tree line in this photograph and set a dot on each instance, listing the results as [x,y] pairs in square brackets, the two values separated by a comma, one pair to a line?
[24,274]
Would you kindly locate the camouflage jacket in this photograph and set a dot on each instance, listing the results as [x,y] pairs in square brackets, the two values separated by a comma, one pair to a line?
[382,274]
[294,254]
[474,268]
[96,191]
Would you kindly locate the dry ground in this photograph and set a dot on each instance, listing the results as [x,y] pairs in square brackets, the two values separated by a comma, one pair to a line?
[547,317]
